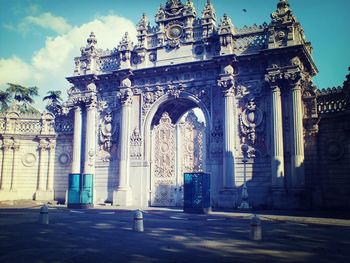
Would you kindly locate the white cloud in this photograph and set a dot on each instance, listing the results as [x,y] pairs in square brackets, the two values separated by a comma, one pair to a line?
[49,21]
[55,61]
[57,24]
[14,70]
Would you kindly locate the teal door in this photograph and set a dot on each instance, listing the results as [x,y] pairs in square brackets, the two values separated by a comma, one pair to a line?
[74,189]
[87,189]
[80,190]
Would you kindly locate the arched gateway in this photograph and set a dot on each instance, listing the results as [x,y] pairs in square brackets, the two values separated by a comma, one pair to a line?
[177,144]
[133,125]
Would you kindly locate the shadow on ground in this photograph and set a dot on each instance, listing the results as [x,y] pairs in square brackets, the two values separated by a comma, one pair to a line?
[170,236]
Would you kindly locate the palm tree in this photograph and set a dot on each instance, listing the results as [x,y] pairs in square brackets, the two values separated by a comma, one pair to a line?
[54,101]
[5,100]
[23,96]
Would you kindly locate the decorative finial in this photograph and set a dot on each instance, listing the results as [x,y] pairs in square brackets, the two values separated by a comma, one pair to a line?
[92,39]
[283,13]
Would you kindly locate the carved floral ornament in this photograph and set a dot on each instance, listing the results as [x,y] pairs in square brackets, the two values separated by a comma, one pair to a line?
[108,131]
[136,145]
[250,119]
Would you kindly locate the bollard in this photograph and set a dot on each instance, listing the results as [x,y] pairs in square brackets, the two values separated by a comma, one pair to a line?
[255,228]
[44,215]
[138,221]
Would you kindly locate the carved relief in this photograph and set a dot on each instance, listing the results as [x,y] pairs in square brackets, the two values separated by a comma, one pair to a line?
[164,178]
[192,134]
[64,159]
[28,159]
[106,136]
[136,145]
[250,119]
[216,144]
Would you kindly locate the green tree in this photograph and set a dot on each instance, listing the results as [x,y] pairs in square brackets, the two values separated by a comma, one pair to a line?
[23,96]
[54,101]
[5,100]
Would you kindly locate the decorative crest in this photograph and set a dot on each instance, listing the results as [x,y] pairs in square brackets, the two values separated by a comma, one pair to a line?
[226,26]
[189,8]
[209,11]
[92,41]
[143,24]
[91,46]
[125,43]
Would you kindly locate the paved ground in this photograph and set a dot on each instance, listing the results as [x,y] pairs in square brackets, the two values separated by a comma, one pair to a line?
[105,234]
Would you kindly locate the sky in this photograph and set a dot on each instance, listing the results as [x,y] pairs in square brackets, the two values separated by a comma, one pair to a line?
[40,38]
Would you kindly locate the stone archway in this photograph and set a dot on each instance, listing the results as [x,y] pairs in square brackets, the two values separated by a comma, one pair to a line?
[177,147]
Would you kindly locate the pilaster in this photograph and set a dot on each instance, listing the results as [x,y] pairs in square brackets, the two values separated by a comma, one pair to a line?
[7,165]
[122,195]
[226,83]
[77,140]
[277,147]
[50,179]
[90,138]
[16,147]
[297,138]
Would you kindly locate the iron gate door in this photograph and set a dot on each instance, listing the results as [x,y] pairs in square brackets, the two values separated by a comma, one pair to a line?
[176,149]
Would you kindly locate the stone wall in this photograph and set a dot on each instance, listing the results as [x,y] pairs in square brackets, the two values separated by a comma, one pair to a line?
[31,166]
[27,155]
[331,169]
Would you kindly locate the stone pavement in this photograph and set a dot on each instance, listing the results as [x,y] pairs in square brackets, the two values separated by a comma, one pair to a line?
[104,234]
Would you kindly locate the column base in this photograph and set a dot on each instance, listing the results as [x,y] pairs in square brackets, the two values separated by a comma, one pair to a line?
[122,197]
[43,195]
[228,198]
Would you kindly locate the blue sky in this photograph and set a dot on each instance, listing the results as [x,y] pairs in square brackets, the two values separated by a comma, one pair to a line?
[39,39]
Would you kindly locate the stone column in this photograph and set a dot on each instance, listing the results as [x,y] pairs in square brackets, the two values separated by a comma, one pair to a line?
[90,138]
[122,195]
[226,82]
[297,136]
[76,162]
[42,184]
[277,155]
[50,178]
[7,165]
[229,133]
[14,166]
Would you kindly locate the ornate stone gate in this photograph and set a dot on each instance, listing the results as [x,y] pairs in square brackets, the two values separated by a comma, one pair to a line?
[249,82]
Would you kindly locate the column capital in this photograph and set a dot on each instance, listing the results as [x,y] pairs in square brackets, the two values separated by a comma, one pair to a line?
[8,144]
[43,145]
[77,108]
[52,144]
[91,105]
[275,88]
[273,78]
[227,84]
[16,146]
[125,95]
[294,78]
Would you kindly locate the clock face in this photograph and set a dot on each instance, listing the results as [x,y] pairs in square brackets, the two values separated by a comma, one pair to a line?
[174,32]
